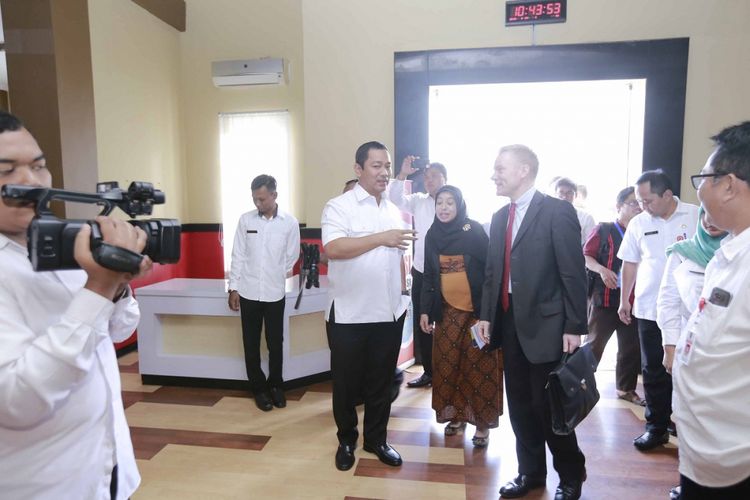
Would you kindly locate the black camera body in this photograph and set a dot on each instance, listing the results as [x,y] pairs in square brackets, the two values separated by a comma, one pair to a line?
[51,239]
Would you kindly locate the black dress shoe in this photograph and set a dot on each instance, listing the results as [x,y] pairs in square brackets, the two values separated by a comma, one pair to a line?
[277,395]
[423,381]
[263,401]
[385,453]
[650,440]
[568,490]
[521,486]
[345,457]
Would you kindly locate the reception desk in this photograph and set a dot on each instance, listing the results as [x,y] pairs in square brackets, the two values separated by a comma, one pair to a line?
[188,330]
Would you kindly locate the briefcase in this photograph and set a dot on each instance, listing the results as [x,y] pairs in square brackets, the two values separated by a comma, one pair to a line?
[571,390]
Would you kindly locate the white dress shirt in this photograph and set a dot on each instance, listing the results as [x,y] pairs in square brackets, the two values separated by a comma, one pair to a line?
[62,422]
[263,254]
[422,207]
[645,243]
[711,379]
[587,222]
[679,293]
[366,288]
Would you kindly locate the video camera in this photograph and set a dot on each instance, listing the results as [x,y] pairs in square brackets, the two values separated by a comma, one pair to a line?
[51,240]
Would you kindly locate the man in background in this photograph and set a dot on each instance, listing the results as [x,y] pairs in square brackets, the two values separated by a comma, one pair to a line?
[422,207]
[664,220]
[600,252]
[266,247]
[566,189]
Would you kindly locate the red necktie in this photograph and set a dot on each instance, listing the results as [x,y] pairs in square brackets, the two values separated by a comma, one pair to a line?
[505,297]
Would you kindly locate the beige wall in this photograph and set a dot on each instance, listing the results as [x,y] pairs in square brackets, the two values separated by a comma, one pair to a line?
[345,95]
[136,60]
[349,46]
[220,30]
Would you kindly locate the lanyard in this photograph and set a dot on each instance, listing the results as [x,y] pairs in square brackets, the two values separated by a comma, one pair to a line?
[619,229]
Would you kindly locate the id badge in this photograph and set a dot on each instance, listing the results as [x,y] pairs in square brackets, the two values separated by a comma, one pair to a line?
[685,351]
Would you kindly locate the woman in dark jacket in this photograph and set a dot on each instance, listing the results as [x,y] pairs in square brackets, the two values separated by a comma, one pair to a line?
[467,381]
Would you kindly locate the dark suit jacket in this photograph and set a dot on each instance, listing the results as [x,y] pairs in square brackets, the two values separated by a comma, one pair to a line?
[548,278]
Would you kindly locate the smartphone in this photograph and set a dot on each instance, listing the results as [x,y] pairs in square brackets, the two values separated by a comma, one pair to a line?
[420,163]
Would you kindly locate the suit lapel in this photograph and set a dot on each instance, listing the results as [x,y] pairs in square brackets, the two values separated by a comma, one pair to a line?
[534,207]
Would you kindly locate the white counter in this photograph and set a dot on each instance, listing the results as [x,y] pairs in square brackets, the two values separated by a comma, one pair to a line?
[188,330]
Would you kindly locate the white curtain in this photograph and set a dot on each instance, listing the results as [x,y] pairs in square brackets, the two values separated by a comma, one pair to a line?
[251,144]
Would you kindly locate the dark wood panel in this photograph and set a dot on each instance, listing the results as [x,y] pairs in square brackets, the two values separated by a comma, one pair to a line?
[147,441]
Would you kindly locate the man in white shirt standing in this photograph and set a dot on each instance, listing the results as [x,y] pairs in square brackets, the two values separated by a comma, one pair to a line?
[664,220]
[711,380]
[63,432]
[266,247]
[364,238]
[422,207]
[567,190]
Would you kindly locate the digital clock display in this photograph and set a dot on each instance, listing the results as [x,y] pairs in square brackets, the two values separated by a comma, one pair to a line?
[519,12]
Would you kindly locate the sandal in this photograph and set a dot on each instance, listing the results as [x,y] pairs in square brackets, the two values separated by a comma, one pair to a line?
[454,428]
[479,440]
[631,397]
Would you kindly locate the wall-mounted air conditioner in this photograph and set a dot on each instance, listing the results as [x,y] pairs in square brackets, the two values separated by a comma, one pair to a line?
[265,71]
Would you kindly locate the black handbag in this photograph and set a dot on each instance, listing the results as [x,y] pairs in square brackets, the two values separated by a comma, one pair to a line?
[571,390]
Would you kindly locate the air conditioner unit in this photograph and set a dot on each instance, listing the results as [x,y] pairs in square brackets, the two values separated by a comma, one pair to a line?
[265,71]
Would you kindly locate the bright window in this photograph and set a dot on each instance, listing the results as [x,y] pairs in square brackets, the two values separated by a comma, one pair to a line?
[590,131]
[251,144]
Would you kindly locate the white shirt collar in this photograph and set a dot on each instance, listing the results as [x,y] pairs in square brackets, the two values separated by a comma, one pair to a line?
[523,201]
[360,194]
[732,246]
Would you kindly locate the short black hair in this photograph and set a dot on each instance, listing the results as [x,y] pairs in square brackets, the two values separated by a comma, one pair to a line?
[440,168]
[566,182]
[9,122]
[264,180]
[732,155]
[658,181]
[360,157]
[624,195]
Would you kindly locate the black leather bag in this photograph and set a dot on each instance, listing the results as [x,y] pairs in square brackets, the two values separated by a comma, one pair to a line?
[571,390]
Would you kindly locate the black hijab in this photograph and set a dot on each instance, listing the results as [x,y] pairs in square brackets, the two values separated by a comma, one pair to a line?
[460,236]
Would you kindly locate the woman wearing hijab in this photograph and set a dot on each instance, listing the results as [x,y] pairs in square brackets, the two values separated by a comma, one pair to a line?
[467,381]
[681,287]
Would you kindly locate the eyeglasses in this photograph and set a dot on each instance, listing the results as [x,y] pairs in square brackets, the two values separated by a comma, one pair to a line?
[633,203]
[697,180]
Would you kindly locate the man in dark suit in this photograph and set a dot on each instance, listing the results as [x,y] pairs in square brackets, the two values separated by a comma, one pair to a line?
[534,308]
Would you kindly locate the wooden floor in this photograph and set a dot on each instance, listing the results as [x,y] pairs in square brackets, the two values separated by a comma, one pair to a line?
[215,444]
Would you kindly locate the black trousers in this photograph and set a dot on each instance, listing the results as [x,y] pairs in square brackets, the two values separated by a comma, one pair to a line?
[422,340]
[529,412]
[691,490]
[603,321]
[363,362]
[254,314]
[657,383]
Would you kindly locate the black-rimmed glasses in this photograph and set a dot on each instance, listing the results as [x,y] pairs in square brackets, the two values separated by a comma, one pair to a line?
[697,179]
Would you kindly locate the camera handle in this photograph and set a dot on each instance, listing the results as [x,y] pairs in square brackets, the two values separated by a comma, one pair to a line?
[43,197]
[112,257]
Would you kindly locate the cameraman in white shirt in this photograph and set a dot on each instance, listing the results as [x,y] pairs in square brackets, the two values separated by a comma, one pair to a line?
[63,432]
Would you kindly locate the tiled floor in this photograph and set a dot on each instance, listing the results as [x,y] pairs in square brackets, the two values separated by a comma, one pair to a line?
[215,444]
